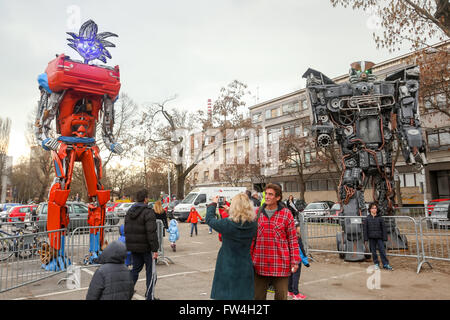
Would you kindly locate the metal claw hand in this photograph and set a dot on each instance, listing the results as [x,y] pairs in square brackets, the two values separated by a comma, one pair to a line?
[50,144]
[116,148]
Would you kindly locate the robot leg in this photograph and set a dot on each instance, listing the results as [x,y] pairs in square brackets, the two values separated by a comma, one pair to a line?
[396,240]
[97,207]
[53,258]
[351,239]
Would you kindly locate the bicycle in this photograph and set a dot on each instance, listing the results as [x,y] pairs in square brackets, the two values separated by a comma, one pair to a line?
[22,243]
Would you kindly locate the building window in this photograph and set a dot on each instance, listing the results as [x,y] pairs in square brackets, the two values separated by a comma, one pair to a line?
[216,175]
[256,117]
[291,186]
[304,104]
[240,152]
[206,175]
[408,180]
[438,138]
[289,130]
[290,107]
[272,113]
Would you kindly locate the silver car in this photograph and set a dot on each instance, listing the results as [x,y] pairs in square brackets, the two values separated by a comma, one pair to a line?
[78,214]
[122,209]
[440,216]
[321,208]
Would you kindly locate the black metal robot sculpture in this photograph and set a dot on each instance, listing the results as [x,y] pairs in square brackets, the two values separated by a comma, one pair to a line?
[362,116]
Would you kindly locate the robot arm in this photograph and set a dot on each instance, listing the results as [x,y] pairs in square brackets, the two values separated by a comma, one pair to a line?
[108,124]
[47,109]
[322,127]
[409,131]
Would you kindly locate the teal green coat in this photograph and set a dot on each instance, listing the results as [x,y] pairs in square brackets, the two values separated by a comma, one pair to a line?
[233,277]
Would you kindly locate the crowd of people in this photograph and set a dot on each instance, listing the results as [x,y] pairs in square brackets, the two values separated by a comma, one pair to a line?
[261,247]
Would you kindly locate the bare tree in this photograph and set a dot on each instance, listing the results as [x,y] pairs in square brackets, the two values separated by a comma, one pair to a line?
[414,21]
[162,127]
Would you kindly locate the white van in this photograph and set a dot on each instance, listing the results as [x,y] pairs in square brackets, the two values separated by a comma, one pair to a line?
[201,197]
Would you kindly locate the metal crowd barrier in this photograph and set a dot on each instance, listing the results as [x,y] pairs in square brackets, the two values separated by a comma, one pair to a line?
[435,240]
[20,251]
[325,234]
[161,255]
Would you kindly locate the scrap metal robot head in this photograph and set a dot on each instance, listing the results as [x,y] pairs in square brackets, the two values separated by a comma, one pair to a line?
[361,71]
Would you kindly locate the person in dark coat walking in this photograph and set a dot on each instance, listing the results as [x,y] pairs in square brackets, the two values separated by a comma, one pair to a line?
[112,281]
[142,240]
[375,232]
[234,276]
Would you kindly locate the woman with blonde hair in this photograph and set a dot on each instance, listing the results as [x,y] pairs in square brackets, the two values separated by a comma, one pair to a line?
[234,276]
[161,214]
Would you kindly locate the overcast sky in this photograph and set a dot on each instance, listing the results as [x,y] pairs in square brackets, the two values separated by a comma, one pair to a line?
[189,48]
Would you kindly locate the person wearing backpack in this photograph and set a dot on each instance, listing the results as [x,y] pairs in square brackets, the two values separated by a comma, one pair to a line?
[142,240]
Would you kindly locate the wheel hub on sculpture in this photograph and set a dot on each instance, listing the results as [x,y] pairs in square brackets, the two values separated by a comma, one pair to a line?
[75,95]
[359,116]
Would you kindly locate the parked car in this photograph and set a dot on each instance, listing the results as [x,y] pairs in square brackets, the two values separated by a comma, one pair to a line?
[20,213]
[5,206]
[432,203]
[300,205]
[111,206]
[122,209]
[78,214]
[440,216]
[319,209]
[3,216]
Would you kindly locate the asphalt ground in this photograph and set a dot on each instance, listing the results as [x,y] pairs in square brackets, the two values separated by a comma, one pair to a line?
[189,274]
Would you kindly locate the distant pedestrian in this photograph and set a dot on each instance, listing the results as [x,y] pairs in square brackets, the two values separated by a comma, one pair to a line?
[223,212]
[295,277]
[174,234]
[122,239]
[161,215]
[142,240]
[290,204]
[112,280]
[233,275]
[193,218]
[275,252]
[255,199]
[375,232]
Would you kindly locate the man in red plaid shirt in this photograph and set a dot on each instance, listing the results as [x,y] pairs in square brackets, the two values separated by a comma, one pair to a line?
[275,253]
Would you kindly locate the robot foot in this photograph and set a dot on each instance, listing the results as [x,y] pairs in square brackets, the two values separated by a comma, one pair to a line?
[57,264]
[94,249]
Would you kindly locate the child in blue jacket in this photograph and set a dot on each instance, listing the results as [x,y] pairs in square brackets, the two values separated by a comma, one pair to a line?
[295,277]
[122,238]
[174,234]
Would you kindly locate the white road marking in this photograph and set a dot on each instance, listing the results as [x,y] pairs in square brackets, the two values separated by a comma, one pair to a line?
[334,277]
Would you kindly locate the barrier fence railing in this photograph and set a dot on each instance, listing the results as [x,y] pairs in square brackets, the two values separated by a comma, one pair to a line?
[20,256]
[344,236]
[435,240]
[21,246]
[425,239]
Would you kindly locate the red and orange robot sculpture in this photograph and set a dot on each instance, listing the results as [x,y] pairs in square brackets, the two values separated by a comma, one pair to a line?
[77,94]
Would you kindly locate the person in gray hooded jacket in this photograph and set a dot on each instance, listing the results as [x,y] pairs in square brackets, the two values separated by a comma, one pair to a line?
[112,280]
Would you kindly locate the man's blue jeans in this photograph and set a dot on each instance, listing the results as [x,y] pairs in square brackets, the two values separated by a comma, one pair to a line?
[138,263]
